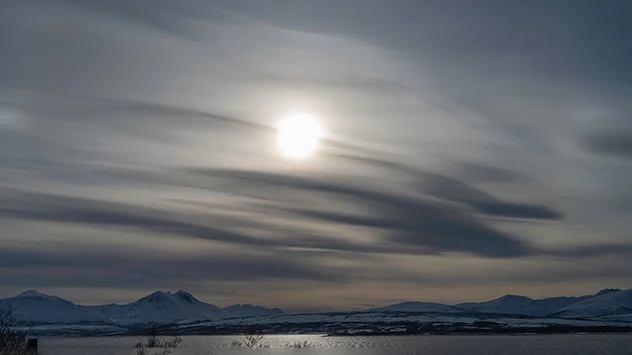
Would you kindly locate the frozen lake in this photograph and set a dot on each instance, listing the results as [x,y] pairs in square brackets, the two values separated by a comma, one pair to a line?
[603,344]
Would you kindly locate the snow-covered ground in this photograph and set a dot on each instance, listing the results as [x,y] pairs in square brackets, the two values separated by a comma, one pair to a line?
[401,317]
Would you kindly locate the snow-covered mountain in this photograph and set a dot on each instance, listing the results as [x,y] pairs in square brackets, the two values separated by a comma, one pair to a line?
[165,308]
[32,307]
[419,307]
[512,304]
[248,310]
[547,306]
[606,303]
[160,307]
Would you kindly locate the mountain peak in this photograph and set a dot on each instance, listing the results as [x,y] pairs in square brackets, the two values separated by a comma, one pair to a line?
[158,296]
[421,307]
[185,296]
[512,296]
[607,290]
[32,293]
[512,299]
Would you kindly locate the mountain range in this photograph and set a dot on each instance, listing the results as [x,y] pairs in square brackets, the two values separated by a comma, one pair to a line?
[35,308]
[606,302]
[165,308]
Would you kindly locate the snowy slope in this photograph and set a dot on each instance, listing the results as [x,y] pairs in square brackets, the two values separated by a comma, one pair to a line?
[32,307]
[207,310]
[601,305]
[248,310]
[547,306]
[421,307]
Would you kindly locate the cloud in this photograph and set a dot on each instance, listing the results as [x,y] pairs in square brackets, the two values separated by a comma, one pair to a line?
[443,187]
[414,224]
[615,144]
[605,129]
[585,251]
[87,266]
[73,210]
[473,172]
[199,224]
[443,131]
[410,220]
[453,190]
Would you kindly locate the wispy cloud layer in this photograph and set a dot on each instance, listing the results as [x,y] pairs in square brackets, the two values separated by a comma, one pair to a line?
[467,147]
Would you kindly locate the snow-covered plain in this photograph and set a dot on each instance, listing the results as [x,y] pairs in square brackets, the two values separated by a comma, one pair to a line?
[388,322]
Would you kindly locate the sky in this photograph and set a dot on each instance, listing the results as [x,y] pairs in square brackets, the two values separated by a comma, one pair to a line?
[470,149]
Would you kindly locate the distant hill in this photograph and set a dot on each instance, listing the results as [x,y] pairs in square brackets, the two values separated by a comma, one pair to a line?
[512,304]
[421,307]
[32,307]
[603,304]
[248,310]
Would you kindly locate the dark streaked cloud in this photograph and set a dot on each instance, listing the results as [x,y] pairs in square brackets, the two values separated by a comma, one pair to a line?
[606,130]
[414,220]
[450,189]
[199,224]
[46,207]
[490,174]
[615,144]
[125,264]
[592,250]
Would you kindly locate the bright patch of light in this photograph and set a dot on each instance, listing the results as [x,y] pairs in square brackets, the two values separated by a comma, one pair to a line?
[299,135]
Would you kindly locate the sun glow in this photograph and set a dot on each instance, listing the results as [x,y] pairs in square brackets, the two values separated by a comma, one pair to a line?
[299,135]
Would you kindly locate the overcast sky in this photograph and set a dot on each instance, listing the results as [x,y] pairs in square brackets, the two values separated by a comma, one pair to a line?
[471,149]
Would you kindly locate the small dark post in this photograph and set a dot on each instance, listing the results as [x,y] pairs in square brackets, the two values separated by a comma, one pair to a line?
[31,345]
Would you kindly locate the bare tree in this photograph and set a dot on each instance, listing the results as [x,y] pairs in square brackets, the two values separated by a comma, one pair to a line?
[152,337]
[154,342]
[173,343]
[300,345]
[12,341]
[236,344]
[252,337]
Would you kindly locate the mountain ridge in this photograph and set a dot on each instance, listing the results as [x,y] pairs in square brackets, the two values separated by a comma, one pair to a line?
[163,308]
[35,308]
[603,304]
[419,307]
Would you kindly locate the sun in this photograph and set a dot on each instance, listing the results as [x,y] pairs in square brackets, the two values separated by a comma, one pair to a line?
[299,135]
